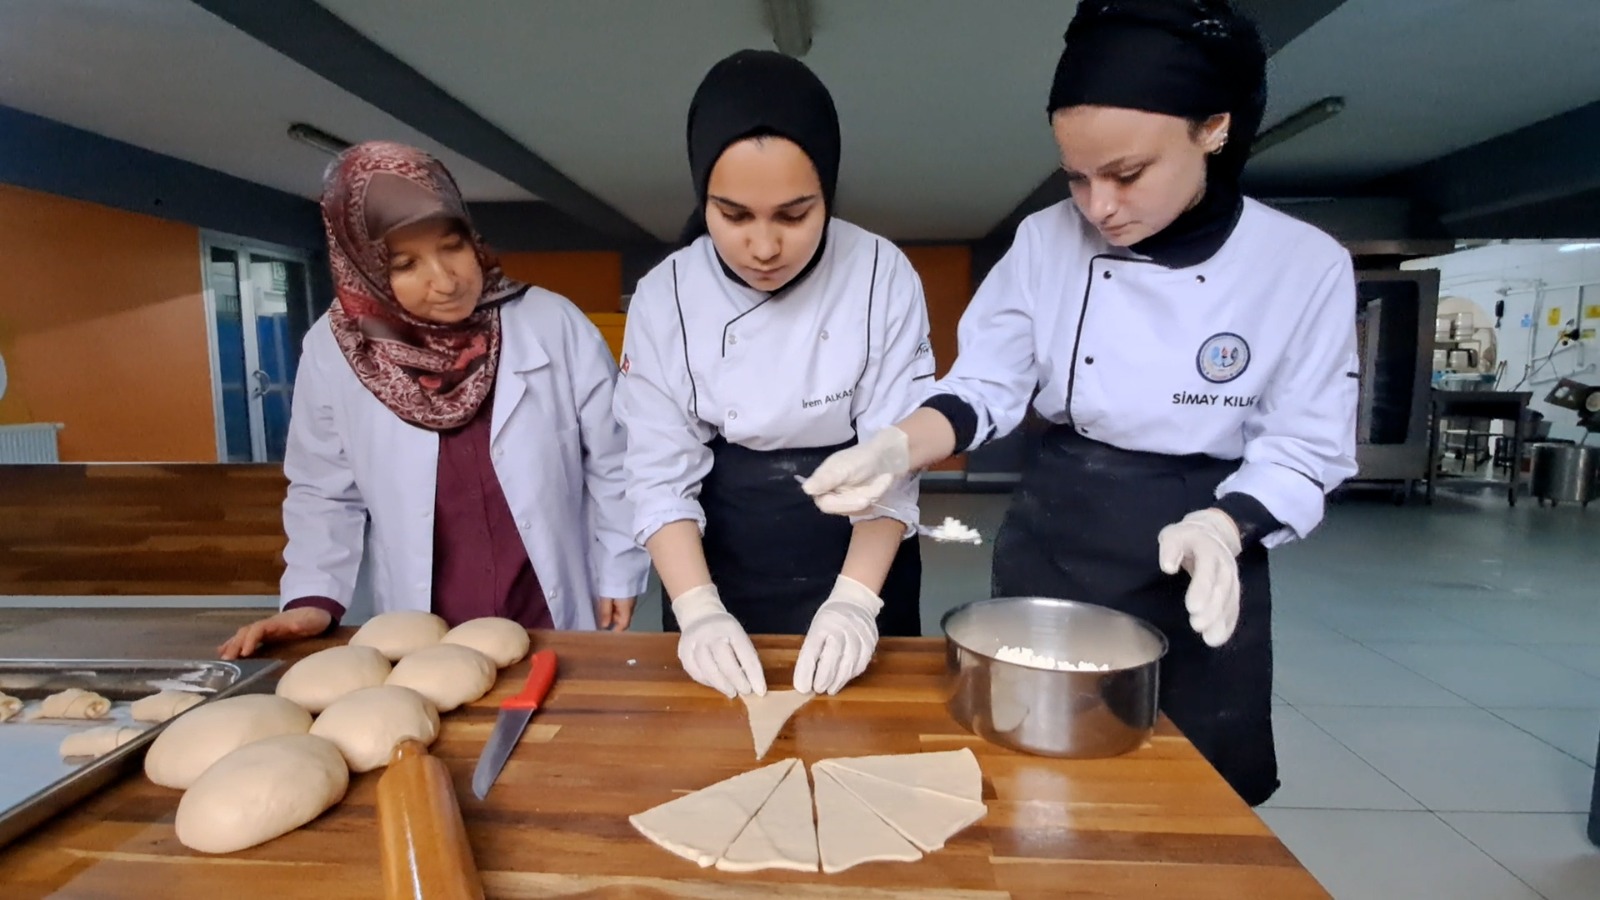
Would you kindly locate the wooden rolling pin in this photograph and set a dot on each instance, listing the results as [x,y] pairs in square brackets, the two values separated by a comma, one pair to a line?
[425,851]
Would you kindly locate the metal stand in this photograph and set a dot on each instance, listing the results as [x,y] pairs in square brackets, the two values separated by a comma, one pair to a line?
[1509,406]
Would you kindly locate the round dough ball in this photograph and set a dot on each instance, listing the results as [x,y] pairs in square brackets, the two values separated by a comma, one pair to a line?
[367,725]
[395,634]
[447,674]
[326,675]
[205,734]
[261,791]
[502,640]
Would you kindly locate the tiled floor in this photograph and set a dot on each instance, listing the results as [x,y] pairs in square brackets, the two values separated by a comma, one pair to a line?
[1438,681]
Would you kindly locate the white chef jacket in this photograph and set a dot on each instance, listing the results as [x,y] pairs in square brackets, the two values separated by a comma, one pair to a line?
[1249,355]
[844,352]
[555,447]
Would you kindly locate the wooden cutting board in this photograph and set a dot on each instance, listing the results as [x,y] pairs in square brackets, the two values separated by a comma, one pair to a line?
[624,730]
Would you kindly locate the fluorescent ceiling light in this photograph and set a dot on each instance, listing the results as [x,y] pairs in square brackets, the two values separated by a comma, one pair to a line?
[791,26]
[317,138]
[1297,124]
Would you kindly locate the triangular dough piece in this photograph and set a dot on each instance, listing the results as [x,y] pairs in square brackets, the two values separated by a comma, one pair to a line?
[953,772]
[849,834]
[923,817]
[701,825]
[782,835]
[769,713]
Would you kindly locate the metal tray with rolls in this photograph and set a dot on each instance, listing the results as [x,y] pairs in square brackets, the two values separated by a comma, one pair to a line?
[35,782]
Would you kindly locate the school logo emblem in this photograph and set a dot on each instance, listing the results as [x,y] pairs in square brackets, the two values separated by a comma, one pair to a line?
[1223,357]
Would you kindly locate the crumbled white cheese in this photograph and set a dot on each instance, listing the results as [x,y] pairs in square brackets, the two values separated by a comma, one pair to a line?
[951,529]
[1024,656]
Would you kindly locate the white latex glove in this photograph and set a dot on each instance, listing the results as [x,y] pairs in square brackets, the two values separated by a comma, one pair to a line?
[1206,544]
[713,647]
[852,480]
[840,641]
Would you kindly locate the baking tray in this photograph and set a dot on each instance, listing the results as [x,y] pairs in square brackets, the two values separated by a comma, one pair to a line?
[35,782]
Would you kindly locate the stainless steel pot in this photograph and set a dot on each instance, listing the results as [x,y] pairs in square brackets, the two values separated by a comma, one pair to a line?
[1052,712]
[1564,473]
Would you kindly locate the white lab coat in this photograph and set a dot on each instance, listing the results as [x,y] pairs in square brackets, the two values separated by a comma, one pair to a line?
[843,352]
[1249,355]
[557,452]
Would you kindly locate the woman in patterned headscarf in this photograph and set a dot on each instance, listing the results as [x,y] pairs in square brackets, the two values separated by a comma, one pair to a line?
[468,416]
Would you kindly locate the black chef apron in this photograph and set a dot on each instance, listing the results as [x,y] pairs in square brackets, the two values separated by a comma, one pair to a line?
[1083,525]
[774,556]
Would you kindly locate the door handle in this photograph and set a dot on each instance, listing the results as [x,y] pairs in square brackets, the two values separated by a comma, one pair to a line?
[263,384]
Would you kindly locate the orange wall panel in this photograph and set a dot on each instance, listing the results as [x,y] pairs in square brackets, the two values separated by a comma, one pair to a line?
[102,324]
[612,326]
[946,272]
[592,280]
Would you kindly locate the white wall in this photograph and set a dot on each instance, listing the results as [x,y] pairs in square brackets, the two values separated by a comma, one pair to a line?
[1537,279]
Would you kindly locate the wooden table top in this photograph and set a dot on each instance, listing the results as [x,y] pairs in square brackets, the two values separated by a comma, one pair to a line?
[624,729]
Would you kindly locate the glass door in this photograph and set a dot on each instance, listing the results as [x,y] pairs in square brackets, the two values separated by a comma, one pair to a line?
[260,308]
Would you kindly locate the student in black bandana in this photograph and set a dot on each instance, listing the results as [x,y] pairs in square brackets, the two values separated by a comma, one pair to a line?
[1193,349]
[750,355]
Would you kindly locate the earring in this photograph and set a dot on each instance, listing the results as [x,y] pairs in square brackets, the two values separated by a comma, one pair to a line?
[1221,142]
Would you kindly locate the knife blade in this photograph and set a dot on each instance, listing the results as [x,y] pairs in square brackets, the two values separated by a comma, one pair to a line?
[515,712]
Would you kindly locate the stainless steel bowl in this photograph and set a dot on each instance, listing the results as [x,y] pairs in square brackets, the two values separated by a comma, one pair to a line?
[1051,712]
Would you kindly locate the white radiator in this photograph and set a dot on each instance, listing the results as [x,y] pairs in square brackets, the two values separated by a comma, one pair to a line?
[35,443]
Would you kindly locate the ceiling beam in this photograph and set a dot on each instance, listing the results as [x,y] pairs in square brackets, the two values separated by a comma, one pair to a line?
[1280,22]
[45,155]
[315,38]
[1502,178]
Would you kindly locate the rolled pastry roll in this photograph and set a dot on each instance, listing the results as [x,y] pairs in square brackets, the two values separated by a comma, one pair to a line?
[98,741]
[163,706]
[9,707]
[74,703]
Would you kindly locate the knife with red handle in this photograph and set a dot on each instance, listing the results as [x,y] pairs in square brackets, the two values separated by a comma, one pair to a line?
[515,713]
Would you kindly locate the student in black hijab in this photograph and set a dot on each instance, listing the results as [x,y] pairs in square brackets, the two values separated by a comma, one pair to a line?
[751,354]
[1193,350]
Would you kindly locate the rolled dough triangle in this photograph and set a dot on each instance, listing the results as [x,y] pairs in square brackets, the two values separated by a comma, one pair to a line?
[923,817]
[701,825]
[769,713]
[848,833]
[953,772]
[781,836]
